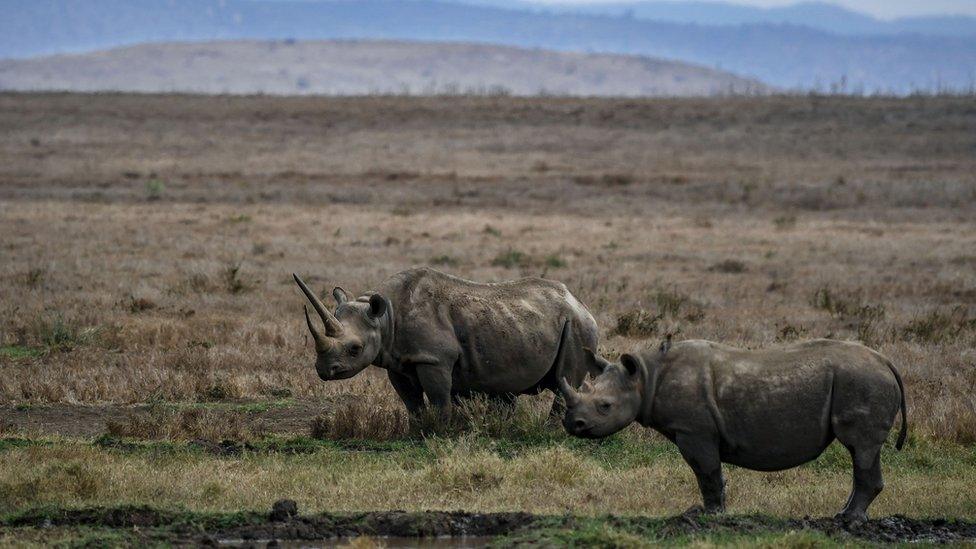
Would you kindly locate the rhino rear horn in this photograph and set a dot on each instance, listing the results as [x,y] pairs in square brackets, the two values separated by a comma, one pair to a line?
[332,325]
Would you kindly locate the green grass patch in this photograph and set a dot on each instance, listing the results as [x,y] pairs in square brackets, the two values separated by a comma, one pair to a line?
[20,352]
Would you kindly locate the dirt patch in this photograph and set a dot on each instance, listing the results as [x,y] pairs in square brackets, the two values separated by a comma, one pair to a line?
[84,421]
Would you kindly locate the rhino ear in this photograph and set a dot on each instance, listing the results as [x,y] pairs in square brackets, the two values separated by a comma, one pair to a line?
[631,363]
[377,305]
[340,295]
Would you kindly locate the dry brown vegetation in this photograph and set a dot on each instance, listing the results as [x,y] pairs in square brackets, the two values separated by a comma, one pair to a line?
[148,241]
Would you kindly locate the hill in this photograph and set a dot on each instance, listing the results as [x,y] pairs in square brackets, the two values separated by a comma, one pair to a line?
[786,56]
[363,67]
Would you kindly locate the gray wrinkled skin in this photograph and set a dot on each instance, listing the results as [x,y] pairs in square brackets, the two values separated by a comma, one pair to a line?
[446,337]
[765,410]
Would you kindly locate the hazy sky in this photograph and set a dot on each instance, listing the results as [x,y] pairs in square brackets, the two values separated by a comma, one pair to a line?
[880,8]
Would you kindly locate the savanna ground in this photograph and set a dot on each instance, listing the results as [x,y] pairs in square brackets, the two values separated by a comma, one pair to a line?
[155,368]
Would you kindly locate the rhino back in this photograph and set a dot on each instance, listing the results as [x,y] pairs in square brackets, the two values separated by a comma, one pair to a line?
[505,335]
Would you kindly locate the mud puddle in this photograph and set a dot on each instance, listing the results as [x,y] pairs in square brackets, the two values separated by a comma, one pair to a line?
[390,542]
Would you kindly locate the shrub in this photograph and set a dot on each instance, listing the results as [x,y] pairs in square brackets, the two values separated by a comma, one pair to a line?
[940,327]
[731,266]
[510,259]
[233,281]
[605,180]
[154,189]
[637,323]
[785,222]
[34,277]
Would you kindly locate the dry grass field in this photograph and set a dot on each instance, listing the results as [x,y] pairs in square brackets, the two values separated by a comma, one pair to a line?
[146,300]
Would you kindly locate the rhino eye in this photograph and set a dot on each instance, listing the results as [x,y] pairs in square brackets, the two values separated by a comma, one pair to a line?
[603,406]
[355,350]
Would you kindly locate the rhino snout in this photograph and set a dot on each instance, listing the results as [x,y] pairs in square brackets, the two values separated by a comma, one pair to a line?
[577,426]
[326,371]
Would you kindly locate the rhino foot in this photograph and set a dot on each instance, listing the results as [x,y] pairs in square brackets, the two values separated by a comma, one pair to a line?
[698,510]
[849,519]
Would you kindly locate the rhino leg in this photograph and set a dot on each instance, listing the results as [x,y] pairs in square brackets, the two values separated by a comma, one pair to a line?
[861,423]
[409,391]
[436,383]
[701,453]
[868,482]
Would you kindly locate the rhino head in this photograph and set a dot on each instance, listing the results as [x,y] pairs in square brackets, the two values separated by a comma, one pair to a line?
[353,336]
[609,402]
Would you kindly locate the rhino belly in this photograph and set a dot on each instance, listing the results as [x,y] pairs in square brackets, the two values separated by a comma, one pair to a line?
[506,353]
[773,423]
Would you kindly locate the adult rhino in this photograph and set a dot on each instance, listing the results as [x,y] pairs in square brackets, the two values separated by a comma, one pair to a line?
[446,337]
[765,410]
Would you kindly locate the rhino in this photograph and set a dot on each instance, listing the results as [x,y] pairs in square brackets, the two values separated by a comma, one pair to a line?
[446,337]
[765,410]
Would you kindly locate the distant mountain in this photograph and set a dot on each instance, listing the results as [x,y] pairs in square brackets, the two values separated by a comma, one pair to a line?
[363,67]
[786,56]
[816,15]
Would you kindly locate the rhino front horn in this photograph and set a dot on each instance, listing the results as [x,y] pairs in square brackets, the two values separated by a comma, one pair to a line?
[572,397]
[332,325]
[319,343]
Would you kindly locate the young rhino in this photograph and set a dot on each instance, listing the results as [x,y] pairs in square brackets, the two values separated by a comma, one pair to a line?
[765,410]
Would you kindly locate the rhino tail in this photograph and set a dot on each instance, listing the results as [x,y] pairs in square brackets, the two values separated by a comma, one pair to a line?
[903,434]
